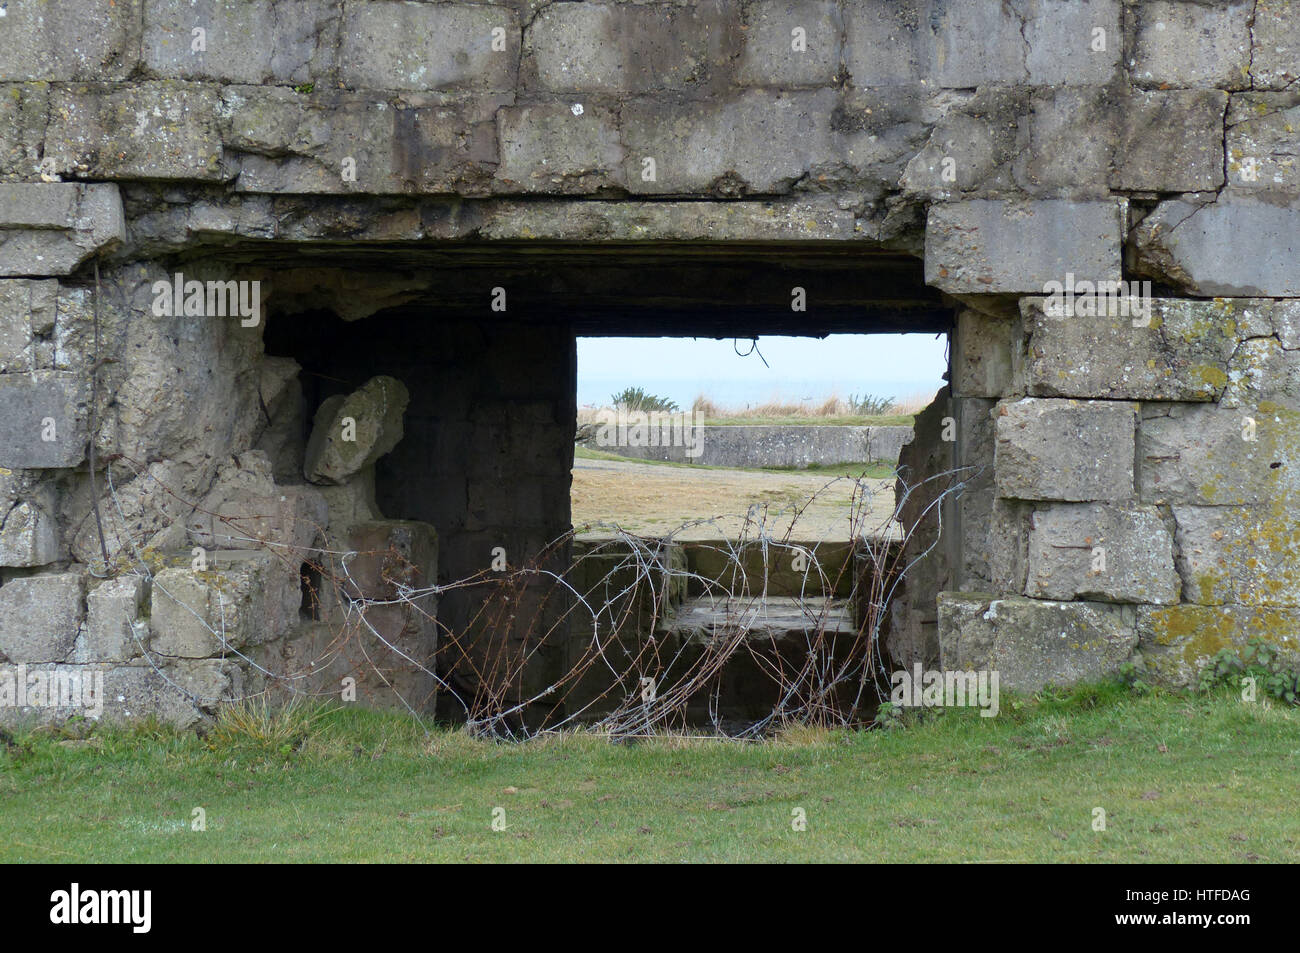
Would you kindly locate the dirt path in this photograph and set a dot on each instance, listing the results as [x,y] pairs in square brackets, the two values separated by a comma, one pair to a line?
[652,500]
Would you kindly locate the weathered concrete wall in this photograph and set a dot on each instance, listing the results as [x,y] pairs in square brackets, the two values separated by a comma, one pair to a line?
[1009,144]
[760,445]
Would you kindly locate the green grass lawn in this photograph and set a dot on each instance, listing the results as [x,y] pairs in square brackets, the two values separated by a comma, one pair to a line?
[1204,778]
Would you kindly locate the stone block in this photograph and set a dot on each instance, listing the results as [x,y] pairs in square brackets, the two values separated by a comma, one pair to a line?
[29,535]
[43,420]
[756,141]
[143,515]
[242,598]
[149,130]
[966,152]
[772,55]
[1183,243]
[1176,642]
[27,310]
[51,228]
[90,40]
[1200,455]
[630,48]
[263,41]
[428,46]
[1193,44]
[986,356]
[1275,55]
[1263,380]
[279,140]
[391,554]
[1033,643]
[549,148]
[349,433]
[886,43]
[40,617]
[1170,141]
[1102,553]
[1065,47]
[990,246]
[1076,451]
[977,44]
[1247,555]
[1179,352]
[115,629]
[284,441]
[1263,144]
[245,509]
[1054,157]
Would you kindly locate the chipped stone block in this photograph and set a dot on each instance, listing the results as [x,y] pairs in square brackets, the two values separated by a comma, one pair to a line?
[1176,642]
[243,597]
[1193,44]
[284,441]
[43,420]
[51,228]
[280,140]
[40,617]
[351,432]
[1183,243]
[1102,553]
[1180,351]
[426,46]
[550,148]
[989,246]
[115,630]
[1065,450]
[29,535]
[1033,643]
[144,513]
[1239,554]
[245,509]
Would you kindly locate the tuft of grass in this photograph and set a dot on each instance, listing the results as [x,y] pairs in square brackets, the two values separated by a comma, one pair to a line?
[255,724]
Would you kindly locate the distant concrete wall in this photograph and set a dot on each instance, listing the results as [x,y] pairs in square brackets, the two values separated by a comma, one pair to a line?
[773,446]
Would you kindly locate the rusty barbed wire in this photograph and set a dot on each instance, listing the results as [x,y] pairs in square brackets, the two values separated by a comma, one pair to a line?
[631,662]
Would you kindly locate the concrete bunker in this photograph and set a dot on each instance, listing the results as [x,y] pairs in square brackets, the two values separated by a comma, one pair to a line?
[1136,483]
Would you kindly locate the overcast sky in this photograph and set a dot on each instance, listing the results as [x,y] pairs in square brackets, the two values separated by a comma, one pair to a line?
[892,365]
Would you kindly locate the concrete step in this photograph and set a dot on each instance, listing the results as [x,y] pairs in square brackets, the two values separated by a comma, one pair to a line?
[775,620]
